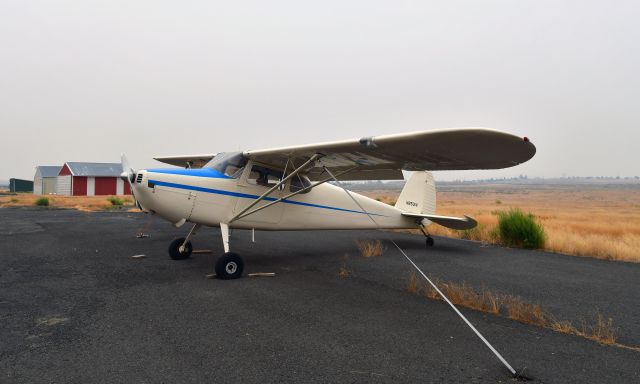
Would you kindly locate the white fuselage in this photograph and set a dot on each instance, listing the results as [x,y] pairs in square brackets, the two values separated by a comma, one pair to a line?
[202,198]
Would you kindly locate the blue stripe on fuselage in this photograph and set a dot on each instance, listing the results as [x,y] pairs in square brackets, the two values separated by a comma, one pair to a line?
[249,196]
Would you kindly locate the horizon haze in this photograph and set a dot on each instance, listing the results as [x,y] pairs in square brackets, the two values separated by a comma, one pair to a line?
[86,81]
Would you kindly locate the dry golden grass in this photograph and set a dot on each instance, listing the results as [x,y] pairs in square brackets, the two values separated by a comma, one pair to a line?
[412,284]
[462,294]
[524,312]
[563,326]
[603,331]
[82,203]
[345,271]
[513,307]
[597,222]
[370,248]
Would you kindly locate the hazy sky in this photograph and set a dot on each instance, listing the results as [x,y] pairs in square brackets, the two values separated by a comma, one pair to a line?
[87,80]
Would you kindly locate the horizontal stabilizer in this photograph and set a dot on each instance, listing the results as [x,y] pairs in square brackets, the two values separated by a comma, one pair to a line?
[465,222]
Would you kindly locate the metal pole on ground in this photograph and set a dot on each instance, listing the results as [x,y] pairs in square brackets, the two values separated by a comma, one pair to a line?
[446,299]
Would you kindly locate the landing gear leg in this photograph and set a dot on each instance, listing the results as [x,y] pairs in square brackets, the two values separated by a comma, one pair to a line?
[230,265]
[181,248]
[430,241]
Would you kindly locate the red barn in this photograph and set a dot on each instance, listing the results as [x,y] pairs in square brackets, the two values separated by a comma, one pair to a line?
[91,179]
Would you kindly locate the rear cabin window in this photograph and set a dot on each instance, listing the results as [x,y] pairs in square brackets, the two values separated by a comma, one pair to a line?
[299,182]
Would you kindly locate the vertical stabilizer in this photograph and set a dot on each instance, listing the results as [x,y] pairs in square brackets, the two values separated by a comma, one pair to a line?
[418,194]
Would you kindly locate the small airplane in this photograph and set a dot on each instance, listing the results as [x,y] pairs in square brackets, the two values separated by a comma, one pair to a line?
[287,188]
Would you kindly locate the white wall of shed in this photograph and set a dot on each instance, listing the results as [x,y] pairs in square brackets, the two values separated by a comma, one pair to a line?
[119,186]
[49,185]
[37,186]
[91,186]
[63,186]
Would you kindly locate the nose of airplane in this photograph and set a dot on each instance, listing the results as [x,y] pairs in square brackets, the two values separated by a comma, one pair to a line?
[138,190]
[131,176]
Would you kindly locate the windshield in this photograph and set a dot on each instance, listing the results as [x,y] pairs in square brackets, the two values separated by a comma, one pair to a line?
[228,163]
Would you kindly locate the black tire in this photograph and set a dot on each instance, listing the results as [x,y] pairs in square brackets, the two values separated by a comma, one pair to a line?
[229,266]
[174,249]
[430,241]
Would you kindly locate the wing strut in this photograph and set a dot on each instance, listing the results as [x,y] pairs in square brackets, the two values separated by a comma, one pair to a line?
[435,287]
[281,182]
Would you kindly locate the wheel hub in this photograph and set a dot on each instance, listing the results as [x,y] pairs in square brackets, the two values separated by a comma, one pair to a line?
[231,267]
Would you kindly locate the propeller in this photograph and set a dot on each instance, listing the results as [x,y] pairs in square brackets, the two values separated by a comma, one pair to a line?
[129,175]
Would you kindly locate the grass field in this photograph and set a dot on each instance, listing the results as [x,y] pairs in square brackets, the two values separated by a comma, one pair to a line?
[600,222]
[82,203]
[596,221]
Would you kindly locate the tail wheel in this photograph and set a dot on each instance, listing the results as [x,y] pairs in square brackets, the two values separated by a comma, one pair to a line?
[176,253]
[430,241]
[229,266]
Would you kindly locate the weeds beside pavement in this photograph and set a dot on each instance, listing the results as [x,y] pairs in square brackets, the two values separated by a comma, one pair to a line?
[600,329]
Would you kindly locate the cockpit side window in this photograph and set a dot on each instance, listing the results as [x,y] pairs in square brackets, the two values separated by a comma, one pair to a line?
[264,176]
[230,164]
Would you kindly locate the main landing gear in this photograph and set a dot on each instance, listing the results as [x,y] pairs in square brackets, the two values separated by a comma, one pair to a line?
[430,241]
[228,266]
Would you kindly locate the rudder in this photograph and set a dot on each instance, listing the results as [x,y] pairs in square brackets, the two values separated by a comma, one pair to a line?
[418,194]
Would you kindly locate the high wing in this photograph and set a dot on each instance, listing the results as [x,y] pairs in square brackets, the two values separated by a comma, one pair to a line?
[384,157]
[186,161]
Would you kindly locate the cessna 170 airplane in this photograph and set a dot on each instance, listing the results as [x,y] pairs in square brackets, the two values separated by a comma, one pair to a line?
[286,188]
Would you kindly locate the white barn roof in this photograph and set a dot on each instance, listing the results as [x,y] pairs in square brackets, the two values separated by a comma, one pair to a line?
[95,169]
[48,170]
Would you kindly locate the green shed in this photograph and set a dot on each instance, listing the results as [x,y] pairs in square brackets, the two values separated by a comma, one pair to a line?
[19,185]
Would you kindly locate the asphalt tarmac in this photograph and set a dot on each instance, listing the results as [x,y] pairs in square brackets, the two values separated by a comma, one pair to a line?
[76,308]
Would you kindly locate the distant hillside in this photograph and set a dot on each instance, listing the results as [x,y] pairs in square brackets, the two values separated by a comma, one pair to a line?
[513,183]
